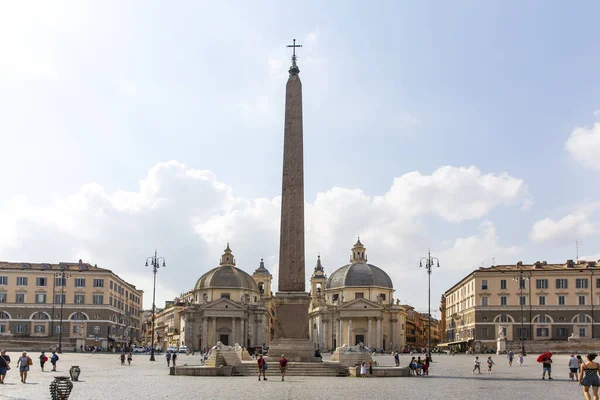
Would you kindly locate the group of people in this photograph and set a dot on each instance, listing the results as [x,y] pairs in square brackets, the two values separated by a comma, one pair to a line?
[419,366]
[24,363]
[586,373]
[263,366]
[123,356]
[171,357]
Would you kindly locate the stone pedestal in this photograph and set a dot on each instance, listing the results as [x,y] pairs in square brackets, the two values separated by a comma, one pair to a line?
[500,346]
[291,328]
[350,356]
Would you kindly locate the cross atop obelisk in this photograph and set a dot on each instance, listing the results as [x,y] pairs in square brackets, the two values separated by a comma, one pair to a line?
[294,70]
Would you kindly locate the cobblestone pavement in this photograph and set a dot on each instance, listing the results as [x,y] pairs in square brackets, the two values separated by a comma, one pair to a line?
[103,377]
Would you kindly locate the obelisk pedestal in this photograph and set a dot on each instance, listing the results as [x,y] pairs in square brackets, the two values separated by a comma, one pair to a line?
[291,300]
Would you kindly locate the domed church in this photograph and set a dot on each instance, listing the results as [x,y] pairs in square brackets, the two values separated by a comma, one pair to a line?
[227,305]
[355,304]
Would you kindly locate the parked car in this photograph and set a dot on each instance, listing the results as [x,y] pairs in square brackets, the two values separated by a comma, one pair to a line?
[139,350]
[183,349]
[172,349]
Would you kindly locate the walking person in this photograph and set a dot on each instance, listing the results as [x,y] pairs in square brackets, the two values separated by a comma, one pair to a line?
[168,357]
[426,365]
[174,359]
[23,363]
[122,357]
[419,366]
[397,359]
[477,365]
[283,366]
[54,360]
[573,367]
[262,367]
[129,358]
[4,365]
[371,368]
[588,376]
[413,366]
[43,360]
[490,363]
[520,359]
[510,357]
[547,366]
[363,370]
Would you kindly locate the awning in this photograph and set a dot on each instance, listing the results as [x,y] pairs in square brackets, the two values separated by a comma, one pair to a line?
[451,343]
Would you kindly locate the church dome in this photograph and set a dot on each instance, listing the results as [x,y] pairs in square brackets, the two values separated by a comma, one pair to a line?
[226,275]
[359,272]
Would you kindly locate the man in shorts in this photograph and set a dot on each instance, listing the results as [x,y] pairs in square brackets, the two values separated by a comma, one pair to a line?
[547,367]
[4,365]
[573,367]
[283,366]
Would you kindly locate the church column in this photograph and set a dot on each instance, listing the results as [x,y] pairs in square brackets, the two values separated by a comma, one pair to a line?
[369,332]
[341,333]
[214,331]
[233,336]
[321,332]
[378,332]
[324,325]
[244,332]
[350,332]
[205,342]
[311,334]
[394,339]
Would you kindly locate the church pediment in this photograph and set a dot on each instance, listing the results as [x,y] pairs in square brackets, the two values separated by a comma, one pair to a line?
[223,304]
[361,304]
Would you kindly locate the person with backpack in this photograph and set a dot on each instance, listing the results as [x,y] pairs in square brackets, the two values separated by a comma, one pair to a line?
[283,366]
[168,357]
[262,367]
[54,360]
[43,360]
[23,363]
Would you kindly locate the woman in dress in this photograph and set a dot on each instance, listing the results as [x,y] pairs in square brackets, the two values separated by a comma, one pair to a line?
[363,369]
[588,376]
[520,359]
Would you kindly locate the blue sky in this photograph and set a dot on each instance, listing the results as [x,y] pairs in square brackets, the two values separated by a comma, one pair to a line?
[486,113]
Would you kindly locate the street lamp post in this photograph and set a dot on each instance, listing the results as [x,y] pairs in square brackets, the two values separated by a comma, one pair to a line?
[429,262]
[63,275]
[521,279]
[155,263]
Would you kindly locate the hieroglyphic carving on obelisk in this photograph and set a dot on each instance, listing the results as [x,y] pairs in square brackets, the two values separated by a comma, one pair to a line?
[291,241]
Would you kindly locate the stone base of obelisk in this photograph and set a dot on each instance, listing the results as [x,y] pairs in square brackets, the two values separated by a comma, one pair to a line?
[291,328]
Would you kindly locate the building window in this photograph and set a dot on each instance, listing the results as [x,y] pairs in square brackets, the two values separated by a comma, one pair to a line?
[581,283]
[111,285]
[597,283]
[2,297]
[562,300]
[59,298]
[3,280]
[542,319]
[79,299]
[582,300]
[4,315]
[484,332]
[382,296]
[542,332]
[79,282]
[99,283]
[522,283]
[522,333]
[21,281]
[2,328]
[542,300]
[60,281]
[98,299]
[20,298]
[562,332]
[503,284]
[485,301]
[541,283]
[40,315]
[58,328]
[503,318]
[581,318]
[484,319]
[21,328]
[110,301]
[40,298]
[359,295]
[41,281]
[503,300]
[484,284]
[522,300]
[39,328]
[562,283]
[582,332]
[225,296]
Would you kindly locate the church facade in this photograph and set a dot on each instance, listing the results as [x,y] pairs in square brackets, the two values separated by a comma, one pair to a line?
[226,304]
[355,304]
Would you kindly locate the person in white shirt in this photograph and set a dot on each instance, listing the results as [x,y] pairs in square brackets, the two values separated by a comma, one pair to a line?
[573,367]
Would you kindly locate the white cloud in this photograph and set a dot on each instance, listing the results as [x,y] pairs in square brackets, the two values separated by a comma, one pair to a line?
[408,119]
[597,113]
[584,146]
[568,229]
[188,215]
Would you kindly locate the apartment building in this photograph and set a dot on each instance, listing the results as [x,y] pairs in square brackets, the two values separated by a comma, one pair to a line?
[98,307]
[537,301]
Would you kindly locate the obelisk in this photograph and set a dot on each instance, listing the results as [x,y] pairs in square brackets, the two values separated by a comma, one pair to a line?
[291,301]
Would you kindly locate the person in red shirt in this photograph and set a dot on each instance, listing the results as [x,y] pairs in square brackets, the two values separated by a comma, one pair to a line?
[262,367]
[283,366]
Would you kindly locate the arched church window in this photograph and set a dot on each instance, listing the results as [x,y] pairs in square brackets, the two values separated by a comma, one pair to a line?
[261,288]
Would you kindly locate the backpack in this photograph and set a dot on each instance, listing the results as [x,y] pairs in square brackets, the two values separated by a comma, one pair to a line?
[29,361]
